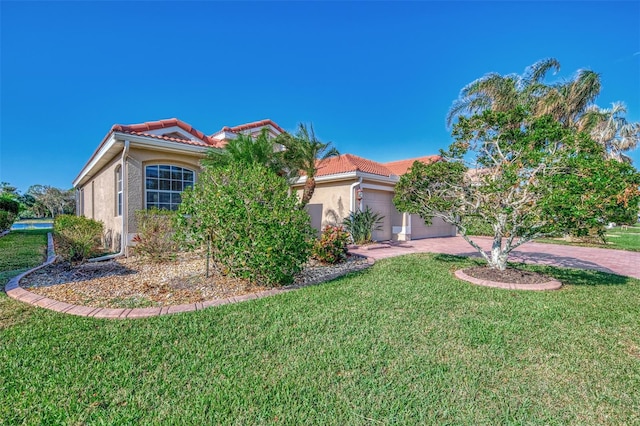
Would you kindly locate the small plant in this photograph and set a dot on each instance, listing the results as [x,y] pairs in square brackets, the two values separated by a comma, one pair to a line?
[331,248]
[361,224]
[77,238]
[155,237]
[6,220]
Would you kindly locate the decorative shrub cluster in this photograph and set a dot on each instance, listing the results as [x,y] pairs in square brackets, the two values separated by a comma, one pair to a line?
[155,238]
[9,209]
[77,238]
[361,224]
[253,225]
[331,248]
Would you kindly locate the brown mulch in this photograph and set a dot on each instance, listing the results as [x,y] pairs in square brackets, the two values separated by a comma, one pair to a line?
[131,282]
[509,275]
[136,283]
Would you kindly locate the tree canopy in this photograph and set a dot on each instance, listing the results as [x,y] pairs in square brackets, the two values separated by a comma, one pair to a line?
[570,102]
[526,176]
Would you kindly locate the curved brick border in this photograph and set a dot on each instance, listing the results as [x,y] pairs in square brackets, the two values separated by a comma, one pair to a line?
[14,291]
[549,285]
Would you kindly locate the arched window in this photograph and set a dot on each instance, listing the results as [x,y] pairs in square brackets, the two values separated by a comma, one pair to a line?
[164,184]
[119,191]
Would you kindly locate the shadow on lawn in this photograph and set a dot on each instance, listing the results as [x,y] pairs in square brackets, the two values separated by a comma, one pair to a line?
[567,271]
[585,277]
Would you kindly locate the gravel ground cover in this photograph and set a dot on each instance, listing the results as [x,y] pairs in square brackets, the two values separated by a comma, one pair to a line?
[134,283]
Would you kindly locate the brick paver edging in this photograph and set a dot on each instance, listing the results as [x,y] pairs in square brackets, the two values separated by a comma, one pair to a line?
[14,291]
[549,285]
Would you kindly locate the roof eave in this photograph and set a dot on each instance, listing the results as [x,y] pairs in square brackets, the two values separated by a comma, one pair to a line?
[393,179]
[115,143]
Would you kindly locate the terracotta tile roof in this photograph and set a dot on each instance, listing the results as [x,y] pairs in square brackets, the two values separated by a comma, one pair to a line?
[249,126]
[167,138]
[401,167]
[142,129]
[350,163]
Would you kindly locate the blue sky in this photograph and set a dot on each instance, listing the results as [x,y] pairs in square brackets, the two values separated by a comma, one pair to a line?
[375,78]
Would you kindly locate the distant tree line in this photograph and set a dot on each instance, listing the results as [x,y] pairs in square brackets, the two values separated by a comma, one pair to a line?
[39,201]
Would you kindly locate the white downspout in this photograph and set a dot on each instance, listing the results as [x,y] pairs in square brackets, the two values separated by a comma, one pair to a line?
[125,191]
[352,202]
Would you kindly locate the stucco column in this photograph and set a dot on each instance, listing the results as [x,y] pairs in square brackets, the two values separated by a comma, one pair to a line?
[405,232]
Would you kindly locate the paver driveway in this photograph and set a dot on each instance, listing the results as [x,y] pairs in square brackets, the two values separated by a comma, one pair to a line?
[613,261]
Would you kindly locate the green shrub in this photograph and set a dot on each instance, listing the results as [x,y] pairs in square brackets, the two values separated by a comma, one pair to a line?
[475,226]
[331,248]
[6,220]
[77,238]
[361,224]
[155,237]
[251,222]
[9,204]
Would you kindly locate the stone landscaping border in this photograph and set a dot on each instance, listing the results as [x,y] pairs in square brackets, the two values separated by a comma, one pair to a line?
[549,285]
[16,292]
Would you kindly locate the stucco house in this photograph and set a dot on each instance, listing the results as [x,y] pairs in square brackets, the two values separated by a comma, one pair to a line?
[146,165]
[348,183]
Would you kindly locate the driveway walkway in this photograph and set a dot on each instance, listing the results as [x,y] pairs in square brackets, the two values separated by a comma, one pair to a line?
[613,261]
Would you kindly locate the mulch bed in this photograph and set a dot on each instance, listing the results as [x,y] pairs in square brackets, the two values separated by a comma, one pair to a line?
[509,275]
[135,283]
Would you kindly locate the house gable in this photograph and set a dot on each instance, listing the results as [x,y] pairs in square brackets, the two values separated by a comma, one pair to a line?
[252,129]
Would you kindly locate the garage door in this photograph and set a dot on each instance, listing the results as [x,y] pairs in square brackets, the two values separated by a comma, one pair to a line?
[380,202]
[438,228]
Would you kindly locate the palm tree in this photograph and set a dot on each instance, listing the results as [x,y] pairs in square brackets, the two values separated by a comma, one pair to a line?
[570,102]
[503,93]
[245,150]
[304,153]
[612,130]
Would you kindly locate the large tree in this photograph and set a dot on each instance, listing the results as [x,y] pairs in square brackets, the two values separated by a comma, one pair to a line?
[525,176]
[52,201]
[571,102]
[496,92]
[304,152]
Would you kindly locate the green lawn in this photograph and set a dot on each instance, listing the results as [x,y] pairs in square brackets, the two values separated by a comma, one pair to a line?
[402,343]
[19,251]
[617,238]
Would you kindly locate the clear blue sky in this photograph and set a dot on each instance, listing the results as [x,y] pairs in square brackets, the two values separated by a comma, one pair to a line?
[376,79]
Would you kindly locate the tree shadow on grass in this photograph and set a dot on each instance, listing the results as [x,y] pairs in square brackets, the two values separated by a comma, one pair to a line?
[584,277]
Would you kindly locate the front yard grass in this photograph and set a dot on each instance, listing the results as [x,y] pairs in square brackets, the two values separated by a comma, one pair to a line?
[617,238]
[403,342]
[19,251]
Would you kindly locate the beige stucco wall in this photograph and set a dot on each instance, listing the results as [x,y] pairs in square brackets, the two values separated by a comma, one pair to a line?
[438,228]
[99,193]
[329,204]
[100,203]
[136,161]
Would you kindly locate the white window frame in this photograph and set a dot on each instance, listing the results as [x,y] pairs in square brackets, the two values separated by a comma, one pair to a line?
[176,186]
[119,192]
